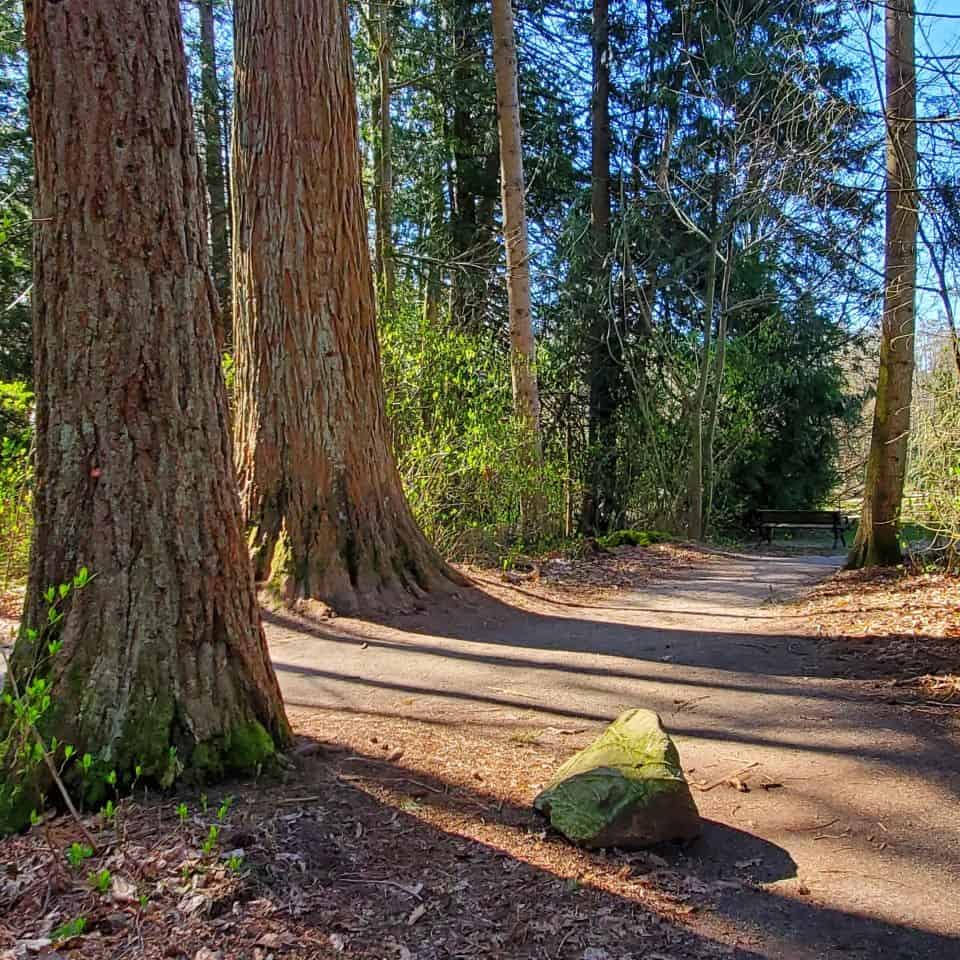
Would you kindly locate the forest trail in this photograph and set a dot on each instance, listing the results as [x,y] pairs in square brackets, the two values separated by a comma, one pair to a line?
[847,837]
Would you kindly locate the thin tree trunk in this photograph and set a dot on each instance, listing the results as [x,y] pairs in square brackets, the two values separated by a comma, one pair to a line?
[431,296]
[383,152]
[718,372]
[320,488]
[600,506]
[431,271]
[163,650]
[465,310]
[473,250]
[695,476]
[877,541]
[526,396]
[651,281]
[213,156]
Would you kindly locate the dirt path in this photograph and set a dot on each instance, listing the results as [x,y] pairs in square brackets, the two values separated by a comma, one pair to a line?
[857,852]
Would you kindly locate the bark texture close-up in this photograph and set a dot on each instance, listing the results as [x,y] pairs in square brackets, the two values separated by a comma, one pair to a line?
[163,663]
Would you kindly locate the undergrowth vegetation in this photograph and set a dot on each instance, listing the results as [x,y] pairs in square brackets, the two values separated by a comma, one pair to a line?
[456,439]
[457,444]
[933,487]
[15,480]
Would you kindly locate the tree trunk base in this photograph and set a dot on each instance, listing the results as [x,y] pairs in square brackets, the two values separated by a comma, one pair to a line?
[874,551]
[147,753]
[364,575]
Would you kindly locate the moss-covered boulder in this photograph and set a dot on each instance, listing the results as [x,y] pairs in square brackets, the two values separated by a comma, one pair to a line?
[624,790]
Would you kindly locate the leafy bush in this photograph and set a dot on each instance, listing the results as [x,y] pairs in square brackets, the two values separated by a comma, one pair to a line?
[16,408]
[455,437]
[932,496]
[633,538]
[16,476]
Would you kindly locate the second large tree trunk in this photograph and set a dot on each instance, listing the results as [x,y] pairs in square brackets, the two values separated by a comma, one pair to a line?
[319,484]
[526,396]
[163,650]
[877,541]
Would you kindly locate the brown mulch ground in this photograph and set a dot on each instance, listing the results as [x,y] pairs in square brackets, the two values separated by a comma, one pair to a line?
[898,619]
[392,840]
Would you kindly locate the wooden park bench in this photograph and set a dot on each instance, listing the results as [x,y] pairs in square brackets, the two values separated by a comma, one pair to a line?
[769,520]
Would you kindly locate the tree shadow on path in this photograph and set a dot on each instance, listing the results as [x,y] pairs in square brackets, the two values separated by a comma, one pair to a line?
[380,840]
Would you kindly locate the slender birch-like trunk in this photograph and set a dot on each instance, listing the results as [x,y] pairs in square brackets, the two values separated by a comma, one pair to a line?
[526,396]
[877,541]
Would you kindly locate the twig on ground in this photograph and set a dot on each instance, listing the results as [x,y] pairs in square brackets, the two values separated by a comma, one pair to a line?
[410,891]
[703,788]
[819,826]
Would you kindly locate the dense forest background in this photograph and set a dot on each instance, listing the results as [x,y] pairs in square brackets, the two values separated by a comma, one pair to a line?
[705,207]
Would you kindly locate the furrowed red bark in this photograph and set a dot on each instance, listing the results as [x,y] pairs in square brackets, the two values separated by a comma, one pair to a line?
[328,519]
[163,650]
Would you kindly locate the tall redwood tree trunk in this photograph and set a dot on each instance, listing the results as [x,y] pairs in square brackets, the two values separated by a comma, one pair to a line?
[164,649]
[319,483]
[877,541]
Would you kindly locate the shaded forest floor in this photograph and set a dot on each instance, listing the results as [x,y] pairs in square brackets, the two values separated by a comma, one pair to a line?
[405,830]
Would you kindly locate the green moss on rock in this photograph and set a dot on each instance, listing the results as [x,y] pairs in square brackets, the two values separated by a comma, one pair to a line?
[626,789]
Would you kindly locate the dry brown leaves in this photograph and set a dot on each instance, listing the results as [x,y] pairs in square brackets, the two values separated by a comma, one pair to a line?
[896,617]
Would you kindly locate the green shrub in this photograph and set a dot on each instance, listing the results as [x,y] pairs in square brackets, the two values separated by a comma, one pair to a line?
[16,477]
[931,506]
[455,438]
[633,538]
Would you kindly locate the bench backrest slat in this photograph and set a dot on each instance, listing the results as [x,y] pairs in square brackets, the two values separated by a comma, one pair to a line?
[799,516]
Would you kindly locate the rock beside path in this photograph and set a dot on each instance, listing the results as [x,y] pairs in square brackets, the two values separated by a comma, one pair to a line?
[626,789]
